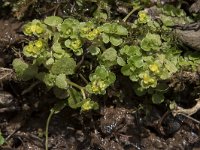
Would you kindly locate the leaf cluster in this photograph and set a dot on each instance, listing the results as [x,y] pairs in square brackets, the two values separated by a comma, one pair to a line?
[143,50]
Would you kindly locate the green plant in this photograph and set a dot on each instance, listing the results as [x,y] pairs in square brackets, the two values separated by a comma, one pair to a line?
[2,140]
[66,50]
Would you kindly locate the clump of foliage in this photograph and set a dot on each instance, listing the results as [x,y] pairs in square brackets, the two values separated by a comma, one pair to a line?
[66,51]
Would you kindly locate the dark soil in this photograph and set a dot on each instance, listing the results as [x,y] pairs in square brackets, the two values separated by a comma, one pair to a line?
[116,126]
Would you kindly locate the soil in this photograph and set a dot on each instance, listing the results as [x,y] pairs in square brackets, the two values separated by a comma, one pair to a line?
[116,126]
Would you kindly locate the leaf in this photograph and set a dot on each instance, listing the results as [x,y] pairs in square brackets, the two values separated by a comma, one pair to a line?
[60,93]
[59,106]
[114,28]
[151,42]
[105,38]
[139,91]
[167,20]
[75,99]
[2,140]
[19,66]
[50,61]
[133,77]
[109,54]
[120,61]
[57,48]
[94,50]
[23,70]
[47,78]
[61,81]
[170,66]
[131,50]
[157,98]
[125,70]
[65,65]
[115,41]
[137,61]
[53,21]
[120,30]
[100,72]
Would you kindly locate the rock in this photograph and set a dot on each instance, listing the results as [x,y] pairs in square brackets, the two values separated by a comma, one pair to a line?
[195,7]
[9,32]
[190,38]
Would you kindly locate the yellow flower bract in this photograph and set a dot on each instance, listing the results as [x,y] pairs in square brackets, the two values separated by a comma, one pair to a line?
[154,68]
[147,79]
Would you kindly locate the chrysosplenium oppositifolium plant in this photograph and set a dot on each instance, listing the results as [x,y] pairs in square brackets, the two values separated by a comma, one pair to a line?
[66,52]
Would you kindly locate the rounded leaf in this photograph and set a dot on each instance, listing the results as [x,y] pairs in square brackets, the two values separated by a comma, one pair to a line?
[53,21]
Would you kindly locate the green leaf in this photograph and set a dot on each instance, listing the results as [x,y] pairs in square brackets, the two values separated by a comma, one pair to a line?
[115,41]
[170,66]
[60,93]
[94,50]
[167,20]
[139,91]
[133,77]
[131,50]
[157,98]
[105,38]
[59,106]
[23,70]
[75,100]
[120,61]
[19,66]
[47,78]
[50,61]
[100,72]
[120,30]
[137,61]
[53,21]
[2,140]
[57,48]
[109,54]
[61,81]
[151,42]
[125,70]
[114,28]
[65,65]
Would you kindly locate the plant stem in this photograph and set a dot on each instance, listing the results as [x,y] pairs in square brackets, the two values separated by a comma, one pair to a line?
[47,129]
[74,84]
[130,13]
[77,86]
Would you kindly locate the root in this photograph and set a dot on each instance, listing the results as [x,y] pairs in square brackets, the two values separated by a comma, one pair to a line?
[188,112]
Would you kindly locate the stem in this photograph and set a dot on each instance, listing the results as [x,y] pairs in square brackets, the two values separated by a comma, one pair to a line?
[47,129]
[130,13]
[79,87]
[75,85]
[83,78]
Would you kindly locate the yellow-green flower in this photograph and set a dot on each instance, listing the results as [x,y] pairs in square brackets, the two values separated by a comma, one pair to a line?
[85,30]
[88,105]
[39,29]
[148,80]
[93,34]
[27,30]
[33,48]
[33,28]
[68,31]
[143,17]
[154,68]
[39,43]
[76,44]
[98,86]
